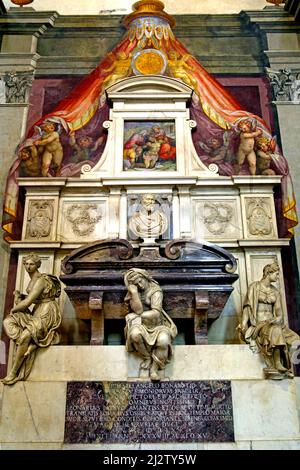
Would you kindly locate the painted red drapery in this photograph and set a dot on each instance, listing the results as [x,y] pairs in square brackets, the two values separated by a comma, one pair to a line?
[76,110]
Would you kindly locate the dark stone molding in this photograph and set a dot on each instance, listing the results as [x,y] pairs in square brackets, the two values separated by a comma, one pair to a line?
[196,279]
[203,260]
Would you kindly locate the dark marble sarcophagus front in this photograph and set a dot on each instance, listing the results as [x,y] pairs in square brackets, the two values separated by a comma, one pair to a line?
[196,279]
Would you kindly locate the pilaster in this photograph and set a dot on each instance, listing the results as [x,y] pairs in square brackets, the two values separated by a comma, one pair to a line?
[18,61]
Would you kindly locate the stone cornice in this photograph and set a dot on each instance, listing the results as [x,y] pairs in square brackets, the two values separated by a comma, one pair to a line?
[17,22]
[271,19]
[74,65]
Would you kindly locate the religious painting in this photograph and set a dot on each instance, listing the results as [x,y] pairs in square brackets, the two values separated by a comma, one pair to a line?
[149,145]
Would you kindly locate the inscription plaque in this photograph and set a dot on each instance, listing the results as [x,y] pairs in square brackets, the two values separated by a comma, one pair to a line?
[127,412]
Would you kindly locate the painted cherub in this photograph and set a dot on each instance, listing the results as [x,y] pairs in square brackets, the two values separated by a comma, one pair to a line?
[83,146]
[30,162]
[265,152]
[50,148]
[217,148]
[248,132]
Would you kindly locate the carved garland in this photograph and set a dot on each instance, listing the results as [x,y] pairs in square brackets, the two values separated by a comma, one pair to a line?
[83,224]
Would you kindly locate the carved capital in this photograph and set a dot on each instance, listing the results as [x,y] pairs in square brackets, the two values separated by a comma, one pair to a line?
[15,86]
[285,84]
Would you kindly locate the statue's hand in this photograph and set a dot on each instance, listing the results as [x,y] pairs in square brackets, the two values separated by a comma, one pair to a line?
[276,321]
[132,289]
[241,328]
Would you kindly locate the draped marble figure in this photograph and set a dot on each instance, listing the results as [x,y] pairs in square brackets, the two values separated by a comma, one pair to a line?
[36,328]
[263,326]
[149,331]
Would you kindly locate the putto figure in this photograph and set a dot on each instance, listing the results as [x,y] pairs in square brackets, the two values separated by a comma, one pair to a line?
[32,329]
[149,330]
[248,133]
[263,326]
[50,148]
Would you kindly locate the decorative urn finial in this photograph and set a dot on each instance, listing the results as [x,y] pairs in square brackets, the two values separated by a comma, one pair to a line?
[21,3]
[149,8]
[276,2]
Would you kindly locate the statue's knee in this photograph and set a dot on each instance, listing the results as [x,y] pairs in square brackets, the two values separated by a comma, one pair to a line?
[135,335]
[163,340]
[25,336]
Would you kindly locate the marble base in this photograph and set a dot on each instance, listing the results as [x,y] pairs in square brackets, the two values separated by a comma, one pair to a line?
[111,363]
[33,413]
[265,412]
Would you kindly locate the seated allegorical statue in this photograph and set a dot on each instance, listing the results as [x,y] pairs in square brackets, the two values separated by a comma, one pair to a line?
[36,328]
[263,326]
[149,331]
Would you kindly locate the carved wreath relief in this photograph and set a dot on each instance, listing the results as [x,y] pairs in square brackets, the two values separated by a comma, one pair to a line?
[39,219]
[217,217]
[83,218]
[259,217]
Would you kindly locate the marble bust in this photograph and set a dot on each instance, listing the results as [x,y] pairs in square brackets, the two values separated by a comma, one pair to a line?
[148,222]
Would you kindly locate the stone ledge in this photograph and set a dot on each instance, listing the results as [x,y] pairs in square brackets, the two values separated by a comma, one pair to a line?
[100,363]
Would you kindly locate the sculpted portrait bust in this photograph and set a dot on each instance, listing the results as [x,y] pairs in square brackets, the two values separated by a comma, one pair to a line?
[148,221]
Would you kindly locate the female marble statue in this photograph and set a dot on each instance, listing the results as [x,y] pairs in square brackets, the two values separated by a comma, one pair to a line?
[33,329]
[149,330]
[263,325]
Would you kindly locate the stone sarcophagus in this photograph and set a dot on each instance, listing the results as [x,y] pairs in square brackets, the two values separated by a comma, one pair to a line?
[196,279]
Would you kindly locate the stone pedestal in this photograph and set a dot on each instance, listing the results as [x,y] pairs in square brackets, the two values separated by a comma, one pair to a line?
[265,412]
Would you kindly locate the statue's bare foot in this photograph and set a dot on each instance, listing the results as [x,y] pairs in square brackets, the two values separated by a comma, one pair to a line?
[145,365]
[154,373]
[9,379]
[289,374]
[31,348]
[280,368]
